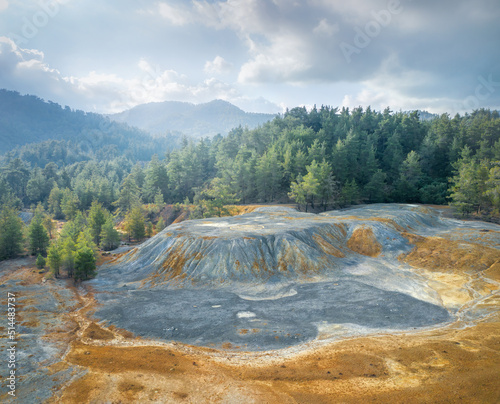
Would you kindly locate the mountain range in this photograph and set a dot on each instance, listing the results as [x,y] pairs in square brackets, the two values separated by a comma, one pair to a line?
[193,120]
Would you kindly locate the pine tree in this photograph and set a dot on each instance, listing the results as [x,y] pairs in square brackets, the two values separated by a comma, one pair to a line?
[85,264]
[38,237]
[68,255]
[155,179]
[85,239]
[11,233]
[327,186]
[54,257]
[110,237]
[97,218]
[160,225]
[375,189]
[159,201]
[149,229]
[410,175]
[40,262]
[135,224]
[129,195]
[469,189]
[48,223]
[350,193]
[297,191]
[54,202]
[69,204]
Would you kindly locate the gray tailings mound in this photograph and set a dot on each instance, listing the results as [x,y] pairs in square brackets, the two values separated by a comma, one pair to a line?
[275,277]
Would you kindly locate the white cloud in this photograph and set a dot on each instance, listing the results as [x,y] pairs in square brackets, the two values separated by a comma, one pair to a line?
[177,15]
[324,28]
[4,5]
[25,70]
[218,66]
[429,53]
[277,49]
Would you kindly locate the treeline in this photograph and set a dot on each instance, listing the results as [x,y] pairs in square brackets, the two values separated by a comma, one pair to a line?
[324,157]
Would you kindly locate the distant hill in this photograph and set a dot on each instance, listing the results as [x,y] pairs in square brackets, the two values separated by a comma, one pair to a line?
[26,120]
[193,120]
[423,115]
[427,116]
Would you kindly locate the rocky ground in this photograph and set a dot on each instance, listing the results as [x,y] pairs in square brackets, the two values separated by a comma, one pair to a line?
[72,349]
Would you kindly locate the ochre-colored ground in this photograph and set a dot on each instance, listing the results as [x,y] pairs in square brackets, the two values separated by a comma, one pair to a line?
[451,365]
[459,363]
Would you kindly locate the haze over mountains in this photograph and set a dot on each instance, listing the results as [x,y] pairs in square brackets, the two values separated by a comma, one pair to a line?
[26,119]
[209,119]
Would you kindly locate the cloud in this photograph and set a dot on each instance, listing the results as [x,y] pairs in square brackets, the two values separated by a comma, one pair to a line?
[177,15]
[26,71]
[324,28]
[447,44]
[286,50]
[396,86]
[218,66]
[4,5]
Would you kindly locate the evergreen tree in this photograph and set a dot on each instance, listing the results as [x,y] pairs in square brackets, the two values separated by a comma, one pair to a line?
[110,237]
[85,239]
[40,262]
[493,186]
[38,186]
[469,184]
[155,179]
[297,192]
[159,201]
[48,223]
[327,185]
[268,175]
[69,204]
[375,190]
[135,224]
[350,193]
[149,229]
[54,257]
[73,228]
[217,196]
[85,264]
[37,235]
[97,218]
[410,176]
[11,233]
[129,195]
[160,225]
[305,189]
[54,202]
[68,255]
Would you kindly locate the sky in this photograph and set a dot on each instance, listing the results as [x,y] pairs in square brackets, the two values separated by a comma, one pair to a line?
[262,55]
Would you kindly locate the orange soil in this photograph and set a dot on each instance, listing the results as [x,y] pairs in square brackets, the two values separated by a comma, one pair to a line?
[440,366]
[450,364]
[435,253]
[364,242]
[457,363]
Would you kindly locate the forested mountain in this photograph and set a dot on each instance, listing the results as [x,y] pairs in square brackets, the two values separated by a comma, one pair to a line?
[324,158]
[215,117]
[69,135]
